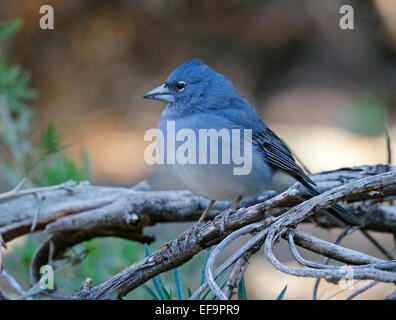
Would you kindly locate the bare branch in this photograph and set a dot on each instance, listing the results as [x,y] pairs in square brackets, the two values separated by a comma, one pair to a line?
[361,290]
[87,212]
[220,247]
[331,275]
[332,251]
[14,283]
[392,296]
[236,274]
[388,141]
[326,260]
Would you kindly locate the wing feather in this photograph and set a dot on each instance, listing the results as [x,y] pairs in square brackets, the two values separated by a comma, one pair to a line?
[279,156]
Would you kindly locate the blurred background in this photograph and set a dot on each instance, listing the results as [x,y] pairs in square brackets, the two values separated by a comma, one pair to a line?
[328,92]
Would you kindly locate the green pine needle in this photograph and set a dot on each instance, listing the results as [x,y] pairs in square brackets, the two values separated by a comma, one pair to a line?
[281,295]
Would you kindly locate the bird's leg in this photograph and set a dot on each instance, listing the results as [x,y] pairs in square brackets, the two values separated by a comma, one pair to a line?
[226,214]
[205,213]
[189,232]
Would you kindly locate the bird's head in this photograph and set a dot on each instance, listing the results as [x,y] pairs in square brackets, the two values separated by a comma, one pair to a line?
[192,87]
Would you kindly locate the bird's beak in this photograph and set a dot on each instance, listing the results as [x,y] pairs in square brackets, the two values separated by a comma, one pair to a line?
[161,93]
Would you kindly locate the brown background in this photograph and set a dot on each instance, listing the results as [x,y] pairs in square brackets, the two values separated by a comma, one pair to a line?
[310,81]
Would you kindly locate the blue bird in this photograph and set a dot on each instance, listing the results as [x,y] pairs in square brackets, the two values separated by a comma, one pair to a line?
[198,98]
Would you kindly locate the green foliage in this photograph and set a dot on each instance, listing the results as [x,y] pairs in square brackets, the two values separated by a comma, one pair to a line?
[41,163]
[99,259]
[50,140]
[8,28]
[150,292]
[18,262]
[208,251]
[369,114]
[242,289]
[179,283]
[282,294]
[161,293]
[60,169]
[45,162]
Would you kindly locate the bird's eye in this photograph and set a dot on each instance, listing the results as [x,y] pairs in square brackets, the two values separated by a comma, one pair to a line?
[180,85]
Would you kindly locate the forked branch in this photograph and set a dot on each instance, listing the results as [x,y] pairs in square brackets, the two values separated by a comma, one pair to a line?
[73,213]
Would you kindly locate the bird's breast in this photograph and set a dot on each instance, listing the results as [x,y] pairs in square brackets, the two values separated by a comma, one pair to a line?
[200,153]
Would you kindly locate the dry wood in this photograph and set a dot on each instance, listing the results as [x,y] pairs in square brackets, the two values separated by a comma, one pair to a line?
[72,213]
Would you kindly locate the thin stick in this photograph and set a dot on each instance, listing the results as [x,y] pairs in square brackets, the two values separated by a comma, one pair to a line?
[13,283]
[254,242]
[219,248]
[392,296]
[388,140]
[377,244]
[236,274]
[330,275]
[3,296]
[37,213]
[326,260]
[18,193]
[361,290]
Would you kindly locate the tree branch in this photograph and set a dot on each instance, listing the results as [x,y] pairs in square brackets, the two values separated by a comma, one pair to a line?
[75,213]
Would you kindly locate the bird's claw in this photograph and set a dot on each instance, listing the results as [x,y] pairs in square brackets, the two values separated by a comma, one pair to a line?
[224,220]
[189,232]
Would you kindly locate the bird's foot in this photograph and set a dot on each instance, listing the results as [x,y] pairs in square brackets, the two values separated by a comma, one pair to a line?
[189,232]
[224,219]
[187,235]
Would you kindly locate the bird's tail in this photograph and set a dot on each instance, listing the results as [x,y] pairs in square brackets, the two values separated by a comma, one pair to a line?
[340,215]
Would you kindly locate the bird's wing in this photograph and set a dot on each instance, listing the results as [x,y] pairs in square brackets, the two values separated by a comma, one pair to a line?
[279,156]
[275,152]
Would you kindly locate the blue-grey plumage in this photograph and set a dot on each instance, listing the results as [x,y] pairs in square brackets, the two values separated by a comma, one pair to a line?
[199,98]
[214,181]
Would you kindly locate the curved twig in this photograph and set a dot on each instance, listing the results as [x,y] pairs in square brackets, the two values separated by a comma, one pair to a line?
[326,260]
[236,274]
[220,247]
[361,290]
[330,275]
[89,212]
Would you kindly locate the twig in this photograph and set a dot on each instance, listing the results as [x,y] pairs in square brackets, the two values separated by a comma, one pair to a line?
[220,247]
[326,260]
[2,244]
[3,296]
[361,290]
[147,268]
[34,290]
[300,259]
[16,192]
[388,144]
[364,260]
[37,214]
[236,274]
[255,242]
[392,296]
[94,211]
[13,283]
[388,140]
[124,209]
[333,251]
[330,275]
[376,244]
